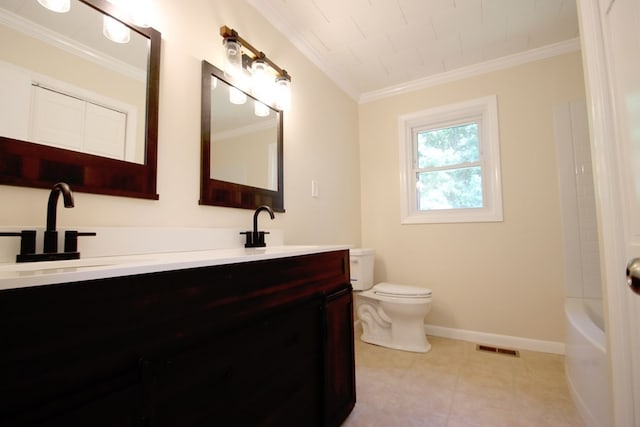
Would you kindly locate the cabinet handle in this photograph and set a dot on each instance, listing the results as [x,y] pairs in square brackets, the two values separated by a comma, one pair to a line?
[340,293]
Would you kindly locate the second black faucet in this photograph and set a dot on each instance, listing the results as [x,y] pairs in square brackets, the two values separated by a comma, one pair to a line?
[255,238]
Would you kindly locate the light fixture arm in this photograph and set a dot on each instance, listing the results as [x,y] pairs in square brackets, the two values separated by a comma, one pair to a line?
[227,32]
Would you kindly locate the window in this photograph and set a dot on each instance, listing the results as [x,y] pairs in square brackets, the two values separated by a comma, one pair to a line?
[450,164]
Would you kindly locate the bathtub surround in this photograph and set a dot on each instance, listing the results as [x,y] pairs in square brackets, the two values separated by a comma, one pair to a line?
[586,359]
[587,364]
[577,203]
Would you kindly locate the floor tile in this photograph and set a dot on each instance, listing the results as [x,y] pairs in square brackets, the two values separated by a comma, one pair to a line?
[454,385]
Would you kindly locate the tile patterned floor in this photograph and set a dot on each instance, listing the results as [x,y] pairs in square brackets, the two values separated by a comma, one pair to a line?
[454,385]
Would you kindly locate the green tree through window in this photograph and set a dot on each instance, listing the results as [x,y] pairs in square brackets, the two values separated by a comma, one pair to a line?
[448,171]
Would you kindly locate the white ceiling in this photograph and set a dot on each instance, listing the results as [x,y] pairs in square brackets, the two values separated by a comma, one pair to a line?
[371,46]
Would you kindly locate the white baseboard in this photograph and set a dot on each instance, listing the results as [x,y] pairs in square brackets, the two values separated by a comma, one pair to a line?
[512,342]
[516,343]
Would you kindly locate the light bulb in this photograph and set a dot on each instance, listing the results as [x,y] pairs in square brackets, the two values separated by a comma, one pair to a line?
[233,57]
[260,80]
[115,30]
[59,6]
[236,96]
[283,92]
[259,109]
[137,11]
[140,12]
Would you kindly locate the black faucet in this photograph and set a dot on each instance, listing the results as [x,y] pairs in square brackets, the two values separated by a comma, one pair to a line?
[51,234]
[255,238]
[50,249]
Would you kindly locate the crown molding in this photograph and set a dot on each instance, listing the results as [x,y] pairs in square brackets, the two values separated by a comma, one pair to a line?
[532,55]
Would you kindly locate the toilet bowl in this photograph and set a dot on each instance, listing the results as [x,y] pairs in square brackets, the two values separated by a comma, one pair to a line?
[391,315]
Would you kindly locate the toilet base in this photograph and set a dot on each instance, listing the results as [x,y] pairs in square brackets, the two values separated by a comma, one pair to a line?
[393,322]
[417,347]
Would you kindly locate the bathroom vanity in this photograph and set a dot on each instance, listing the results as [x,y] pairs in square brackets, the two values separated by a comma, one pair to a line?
[252,340]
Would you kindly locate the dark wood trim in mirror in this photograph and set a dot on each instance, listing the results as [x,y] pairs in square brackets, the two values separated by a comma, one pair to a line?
[34,165]
[222,193]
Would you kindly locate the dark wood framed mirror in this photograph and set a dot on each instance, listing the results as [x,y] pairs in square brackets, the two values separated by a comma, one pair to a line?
[28,162]
[242,153]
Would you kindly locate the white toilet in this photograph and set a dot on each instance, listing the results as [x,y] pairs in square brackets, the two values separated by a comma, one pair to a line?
[391,315]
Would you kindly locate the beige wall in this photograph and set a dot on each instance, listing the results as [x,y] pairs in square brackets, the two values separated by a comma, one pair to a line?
[320,140]
[502,278]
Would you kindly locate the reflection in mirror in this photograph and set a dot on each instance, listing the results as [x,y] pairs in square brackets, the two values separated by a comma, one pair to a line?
[76,106]
[55,94]
[244,146]
[241,151]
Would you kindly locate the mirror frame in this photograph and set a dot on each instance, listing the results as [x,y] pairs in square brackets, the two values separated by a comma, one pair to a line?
[215,192]
[28,164]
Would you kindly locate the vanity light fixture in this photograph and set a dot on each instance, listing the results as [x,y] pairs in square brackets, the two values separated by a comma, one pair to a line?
[269,82]
[59,6]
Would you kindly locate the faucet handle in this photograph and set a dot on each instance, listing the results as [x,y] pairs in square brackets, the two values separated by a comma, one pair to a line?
[71,239]
[27,240]
[255,239]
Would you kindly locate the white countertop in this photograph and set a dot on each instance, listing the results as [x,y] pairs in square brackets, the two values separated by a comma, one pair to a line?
[24,275]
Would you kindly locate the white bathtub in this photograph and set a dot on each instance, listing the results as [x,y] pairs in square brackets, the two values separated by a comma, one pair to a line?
[586,363]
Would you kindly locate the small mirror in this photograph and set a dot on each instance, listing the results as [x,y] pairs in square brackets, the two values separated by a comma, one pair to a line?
[76,106]
[241,146]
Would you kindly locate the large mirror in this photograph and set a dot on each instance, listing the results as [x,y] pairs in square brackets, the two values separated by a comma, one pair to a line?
[241,150]
[76,106]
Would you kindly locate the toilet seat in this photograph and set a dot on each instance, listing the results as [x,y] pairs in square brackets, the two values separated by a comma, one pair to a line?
[401,291]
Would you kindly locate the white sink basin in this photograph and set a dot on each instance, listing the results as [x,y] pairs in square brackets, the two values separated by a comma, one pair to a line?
[50,272]
[75,265]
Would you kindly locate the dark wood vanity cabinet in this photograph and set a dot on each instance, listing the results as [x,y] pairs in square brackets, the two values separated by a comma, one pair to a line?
[339,379]
[263,343]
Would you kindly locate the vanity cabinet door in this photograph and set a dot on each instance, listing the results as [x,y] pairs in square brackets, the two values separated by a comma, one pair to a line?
[261,372]
[279,382]
[340,383]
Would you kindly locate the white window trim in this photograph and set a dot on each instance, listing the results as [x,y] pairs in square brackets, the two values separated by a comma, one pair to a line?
[487,109]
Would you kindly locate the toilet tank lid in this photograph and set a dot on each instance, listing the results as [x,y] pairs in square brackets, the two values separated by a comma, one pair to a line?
[362,251]
[392,289]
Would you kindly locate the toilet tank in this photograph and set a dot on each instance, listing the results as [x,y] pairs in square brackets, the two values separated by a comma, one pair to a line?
[361,266]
